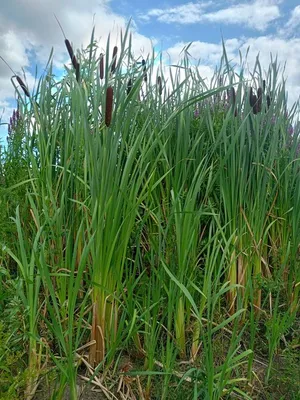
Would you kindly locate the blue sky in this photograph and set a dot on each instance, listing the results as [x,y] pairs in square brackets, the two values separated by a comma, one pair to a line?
[28,30]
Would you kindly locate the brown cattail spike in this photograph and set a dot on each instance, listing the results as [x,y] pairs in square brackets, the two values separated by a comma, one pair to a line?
[101,66]
[114,60]
[23,86]
[268,101]
[251,98]
[144,70]
[109,105]
[259,99]
[71,53]
[69,48]
[264,85]
[159,84]
[255,107]
[233,97]
[129,86]
[78,72]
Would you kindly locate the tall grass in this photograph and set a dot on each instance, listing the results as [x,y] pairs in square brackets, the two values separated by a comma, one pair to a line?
[162,222]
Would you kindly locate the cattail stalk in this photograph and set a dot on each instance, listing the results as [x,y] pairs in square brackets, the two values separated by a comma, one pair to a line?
[109,106]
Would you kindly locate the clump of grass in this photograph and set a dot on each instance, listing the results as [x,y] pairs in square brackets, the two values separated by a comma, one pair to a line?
[158,234]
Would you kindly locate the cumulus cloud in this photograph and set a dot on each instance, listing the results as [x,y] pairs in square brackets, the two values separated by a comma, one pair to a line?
[187,13]
[257,15]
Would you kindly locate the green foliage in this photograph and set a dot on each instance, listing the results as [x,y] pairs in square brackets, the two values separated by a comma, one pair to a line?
[171,233]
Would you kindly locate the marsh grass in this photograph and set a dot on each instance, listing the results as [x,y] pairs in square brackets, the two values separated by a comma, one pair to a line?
[161,219]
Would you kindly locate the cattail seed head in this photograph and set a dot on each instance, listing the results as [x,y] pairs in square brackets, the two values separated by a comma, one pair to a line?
[109,105]
[78,72]
[129,86]
[74,62]
[251,98]
[268,101]
[69,48]
[264,85]
[114,60]
[144,70]
[159,84]
[71,53]
[101,66]
[259,99]
[23,86]
[233,97]
[255,106]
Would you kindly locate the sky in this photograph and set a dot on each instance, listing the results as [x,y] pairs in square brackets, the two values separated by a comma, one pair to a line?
[28,31]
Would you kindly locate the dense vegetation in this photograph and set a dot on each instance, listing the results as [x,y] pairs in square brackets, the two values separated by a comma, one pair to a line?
[150,232]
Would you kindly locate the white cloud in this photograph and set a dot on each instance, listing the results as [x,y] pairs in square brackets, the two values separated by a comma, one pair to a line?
[291,28]
[257,15]
[188,13]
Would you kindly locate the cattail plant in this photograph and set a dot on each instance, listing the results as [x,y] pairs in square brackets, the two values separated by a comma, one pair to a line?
[138,234]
